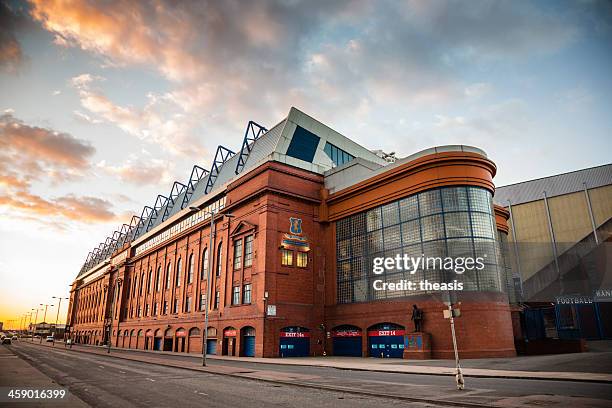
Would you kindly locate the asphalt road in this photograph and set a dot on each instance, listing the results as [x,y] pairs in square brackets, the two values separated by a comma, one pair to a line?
[102,381]
[109,381]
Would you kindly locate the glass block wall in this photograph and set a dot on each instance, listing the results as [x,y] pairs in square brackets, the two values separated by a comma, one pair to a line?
[448,221]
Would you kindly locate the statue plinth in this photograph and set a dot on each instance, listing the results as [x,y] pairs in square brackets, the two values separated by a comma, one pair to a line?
[417,346]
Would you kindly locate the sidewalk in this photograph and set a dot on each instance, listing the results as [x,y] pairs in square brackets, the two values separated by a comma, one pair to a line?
[193,361]
[19,374]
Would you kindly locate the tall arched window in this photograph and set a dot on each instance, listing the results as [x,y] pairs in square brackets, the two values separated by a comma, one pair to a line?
[203,274]
[179,267]
[159,278]
[150,282]
[190,272]
[168,275]
[219,256]
[142,283]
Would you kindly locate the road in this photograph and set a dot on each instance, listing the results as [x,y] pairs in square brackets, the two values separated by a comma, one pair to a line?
[102,381]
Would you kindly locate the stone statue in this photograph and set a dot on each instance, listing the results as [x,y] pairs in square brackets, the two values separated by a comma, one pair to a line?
[417,317]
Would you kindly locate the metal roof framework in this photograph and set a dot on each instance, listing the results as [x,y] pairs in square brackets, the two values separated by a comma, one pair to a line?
[179,192]
[222,155]
[160,202]
[176,190]
[250,137]
[197,174]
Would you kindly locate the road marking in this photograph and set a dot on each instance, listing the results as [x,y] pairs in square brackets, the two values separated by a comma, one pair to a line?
[150,379]
[203,393]
[122,372]
[101,366]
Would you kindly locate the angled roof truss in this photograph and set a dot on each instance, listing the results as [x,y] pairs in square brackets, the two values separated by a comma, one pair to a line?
[160,202]
[197,174]
[221,156]
[175,192]
[252,133]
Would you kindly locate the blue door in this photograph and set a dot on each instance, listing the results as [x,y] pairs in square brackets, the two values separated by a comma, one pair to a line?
[386,341]
[347,341]
[294,346]
[211,346]
[248,342]
[157,343]
[294,342]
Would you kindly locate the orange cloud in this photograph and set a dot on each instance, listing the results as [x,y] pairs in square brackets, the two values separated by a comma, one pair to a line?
[70,207]
[31,153]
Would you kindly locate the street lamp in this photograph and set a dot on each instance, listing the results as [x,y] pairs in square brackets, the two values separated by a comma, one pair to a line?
[59,305]
[45,317]
[208,285]
[35,323]
[118,283]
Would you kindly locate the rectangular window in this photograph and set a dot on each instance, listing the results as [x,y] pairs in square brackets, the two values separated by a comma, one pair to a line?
[188,305]
[168,276]
[202,302]
[146,310]
[246,294]
[238,254]
[236,295]
[219,256]
[175,307]
[165,307]
[139,311]
[204,273]
[217,299]
[248,251]
[286,257]
[190,272]
[155,306]
[302,259]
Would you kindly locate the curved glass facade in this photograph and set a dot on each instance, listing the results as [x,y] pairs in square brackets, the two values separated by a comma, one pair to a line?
[443,222]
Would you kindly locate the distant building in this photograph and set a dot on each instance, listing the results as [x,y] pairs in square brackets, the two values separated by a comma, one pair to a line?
[559,246]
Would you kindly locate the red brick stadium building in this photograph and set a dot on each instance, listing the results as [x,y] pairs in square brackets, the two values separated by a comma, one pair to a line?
[300,211]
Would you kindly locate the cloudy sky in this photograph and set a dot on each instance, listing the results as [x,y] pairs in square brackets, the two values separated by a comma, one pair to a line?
[104,104]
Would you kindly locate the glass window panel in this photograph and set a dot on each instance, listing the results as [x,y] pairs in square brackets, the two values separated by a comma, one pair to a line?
[411,232]
[480,199]
[457,224]
[432,227]
[374,219]
[390,214]
[455,199]
[375,241]
[430,202]
[392,237]
[409,208]
[482,225]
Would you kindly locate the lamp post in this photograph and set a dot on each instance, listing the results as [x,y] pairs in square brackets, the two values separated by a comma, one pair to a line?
[59,305]
[208,285]
[110,329]
[45,317]
[35,323]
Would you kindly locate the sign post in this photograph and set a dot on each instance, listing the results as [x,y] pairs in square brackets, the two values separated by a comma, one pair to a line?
[451,314]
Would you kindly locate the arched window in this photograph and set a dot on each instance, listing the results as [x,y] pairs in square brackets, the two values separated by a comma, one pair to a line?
[203,274]
[159,278]
[179,267]
[142,283]
[190,272]
[150,282]
[219,256]
[194,331]
[168,275]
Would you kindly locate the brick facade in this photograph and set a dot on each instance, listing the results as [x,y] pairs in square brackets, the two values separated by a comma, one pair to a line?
[262,203]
